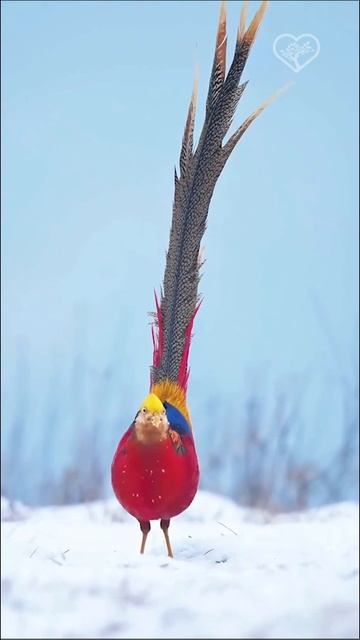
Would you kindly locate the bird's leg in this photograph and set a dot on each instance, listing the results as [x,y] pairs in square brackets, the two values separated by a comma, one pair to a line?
[164,524]
[145,528]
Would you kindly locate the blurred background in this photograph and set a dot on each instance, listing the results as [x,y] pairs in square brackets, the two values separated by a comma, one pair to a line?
[94,99]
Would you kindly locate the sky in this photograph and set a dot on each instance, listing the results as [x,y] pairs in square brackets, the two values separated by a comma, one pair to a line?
[94,99]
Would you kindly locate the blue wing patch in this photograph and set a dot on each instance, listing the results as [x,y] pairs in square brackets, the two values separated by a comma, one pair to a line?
[176,419]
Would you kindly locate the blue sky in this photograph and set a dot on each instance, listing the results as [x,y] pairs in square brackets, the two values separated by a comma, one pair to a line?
[94,97]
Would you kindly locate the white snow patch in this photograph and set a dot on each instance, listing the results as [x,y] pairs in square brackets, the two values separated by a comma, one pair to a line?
[75,572]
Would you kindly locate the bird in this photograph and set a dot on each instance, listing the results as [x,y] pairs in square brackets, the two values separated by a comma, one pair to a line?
[155,470]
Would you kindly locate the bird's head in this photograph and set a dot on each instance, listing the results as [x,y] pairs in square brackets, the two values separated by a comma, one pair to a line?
[151,423]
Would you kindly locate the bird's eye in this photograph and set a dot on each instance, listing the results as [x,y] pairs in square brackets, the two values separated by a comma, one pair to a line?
[144,410]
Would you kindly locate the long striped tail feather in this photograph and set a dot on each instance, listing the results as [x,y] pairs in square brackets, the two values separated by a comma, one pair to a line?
[194,185]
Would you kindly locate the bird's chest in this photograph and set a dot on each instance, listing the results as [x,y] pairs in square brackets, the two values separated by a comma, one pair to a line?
[154,481]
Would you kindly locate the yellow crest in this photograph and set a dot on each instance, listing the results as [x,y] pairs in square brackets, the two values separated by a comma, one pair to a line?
[153,404]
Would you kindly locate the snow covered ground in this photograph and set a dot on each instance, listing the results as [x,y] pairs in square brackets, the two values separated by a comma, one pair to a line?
[75,572]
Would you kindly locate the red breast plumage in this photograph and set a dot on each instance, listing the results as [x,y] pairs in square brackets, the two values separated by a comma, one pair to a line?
[156,481]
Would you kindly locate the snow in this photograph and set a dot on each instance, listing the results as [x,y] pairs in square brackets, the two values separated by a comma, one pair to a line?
[75,572]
